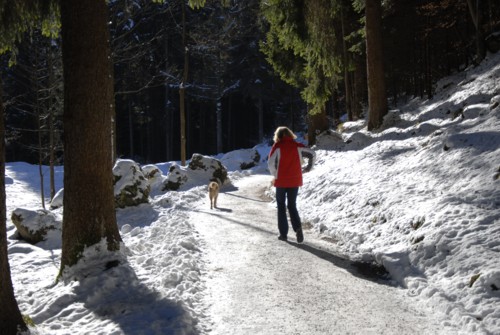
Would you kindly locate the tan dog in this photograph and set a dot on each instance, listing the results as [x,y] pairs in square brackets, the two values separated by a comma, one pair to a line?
[213,193]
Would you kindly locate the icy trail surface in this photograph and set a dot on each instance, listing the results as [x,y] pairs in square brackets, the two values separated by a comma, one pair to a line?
[257,284]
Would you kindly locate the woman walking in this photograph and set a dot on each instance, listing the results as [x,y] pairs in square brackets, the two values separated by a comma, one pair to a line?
[285,164]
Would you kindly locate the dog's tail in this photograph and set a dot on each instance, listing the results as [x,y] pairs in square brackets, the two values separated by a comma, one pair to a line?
[213,185]
[215,180]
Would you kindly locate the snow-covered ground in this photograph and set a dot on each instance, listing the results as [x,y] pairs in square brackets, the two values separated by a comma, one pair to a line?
[421,197]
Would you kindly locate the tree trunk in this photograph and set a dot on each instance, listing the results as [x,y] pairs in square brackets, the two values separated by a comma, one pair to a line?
[52,154]
[218,107]
[218,126]
[168,111]
[360,94]
[182,89]
[476,12]
[317,123]
[89,212]
[130,129]
[10,317]
[114,149]
[38,116]
[377,99]
[345,61]
[428,69]
[51,116]
[40,152]
[260,109]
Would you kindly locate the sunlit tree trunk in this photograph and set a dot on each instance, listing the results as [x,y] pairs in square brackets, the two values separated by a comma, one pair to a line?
[377,99]
[89,213]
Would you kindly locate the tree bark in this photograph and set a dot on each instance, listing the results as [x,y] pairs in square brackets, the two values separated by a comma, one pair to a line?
[317,123]
[360,86]
[182,89]
[260,111]
[218,106]
[377,98]
[38,116]
[476,12]
[345,61]
[89,212]
[11,319]
[168,110]
[52,85]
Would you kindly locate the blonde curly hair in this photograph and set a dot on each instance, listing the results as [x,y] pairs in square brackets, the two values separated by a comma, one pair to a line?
[282,132]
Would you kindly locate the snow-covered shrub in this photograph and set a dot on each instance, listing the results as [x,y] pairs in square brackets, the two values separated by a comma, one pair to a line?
[33,225]
[131,187]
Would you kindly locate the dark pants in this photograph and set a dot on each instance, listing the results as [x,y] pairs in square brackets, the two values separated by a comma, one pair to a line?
[287,197]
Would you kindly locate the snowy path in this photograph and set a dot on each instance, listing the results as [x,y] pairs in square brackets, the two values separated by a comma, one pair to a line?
[257,284]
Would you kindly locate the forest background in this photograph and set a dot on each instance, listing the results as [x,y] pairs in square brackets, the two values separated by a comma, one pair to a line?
[245,67]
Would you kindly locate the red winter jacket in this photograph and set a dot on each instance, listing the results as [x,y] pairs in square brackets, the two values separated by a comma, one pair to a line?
[285,162]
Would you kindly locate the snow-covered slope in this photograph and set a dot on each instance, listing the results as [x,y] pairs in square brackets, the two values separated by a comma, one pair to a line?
[422,196]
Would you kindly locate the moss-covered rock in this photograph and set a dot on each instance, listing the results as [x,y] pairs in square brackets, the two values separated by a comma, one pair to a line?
[33,225]
[200,170]
[209,164]
[176,177]
[151,171]
[242,159]
[131,186]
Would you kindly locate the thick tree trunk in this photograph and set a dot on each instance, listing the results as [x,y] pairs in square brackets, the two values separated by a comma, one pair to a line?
[89,212]
[377,98]
[10,317]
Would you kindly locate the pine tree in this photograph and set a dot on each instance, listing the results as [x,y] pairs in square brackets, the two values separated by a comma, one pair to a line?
[302,47]
[89,213]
